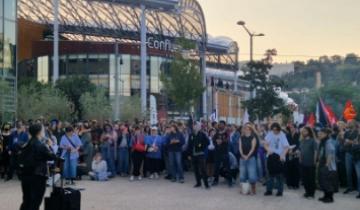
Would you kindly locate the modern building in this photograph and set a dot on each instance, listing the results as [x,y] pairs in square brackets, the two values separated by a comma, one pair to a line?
[101,37]
[7,59]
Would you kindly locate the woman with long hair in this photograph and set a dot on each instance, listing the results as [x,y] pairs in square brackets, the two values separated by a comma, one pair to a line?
[247,147]
[108,147]
[308,153]
[292,167]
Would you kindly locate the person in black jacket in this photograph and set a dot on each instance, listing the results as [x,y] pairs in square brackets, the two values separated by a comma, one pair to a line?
[221,143]
[197,145]
[33,182]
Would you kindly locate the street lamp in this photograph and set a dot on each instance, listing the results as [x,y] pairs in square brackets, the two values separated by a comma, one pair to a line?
[56,42]
[164,5]
[252,35]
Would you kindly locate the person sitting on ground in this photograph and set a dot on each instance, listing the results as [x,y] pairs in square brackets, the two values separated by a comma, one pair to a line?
[99,169]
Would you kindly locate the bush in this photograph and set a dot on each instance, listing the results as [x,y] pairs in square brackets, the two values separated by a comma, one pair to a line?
[36,101]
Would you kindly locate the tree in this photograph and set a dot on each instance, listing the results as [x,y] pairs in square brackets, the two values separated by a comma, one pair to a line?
[183,82]
[130,108]
[351,59]
[266,102]
[4,89]
[36,101]
[73,87]
[96,105]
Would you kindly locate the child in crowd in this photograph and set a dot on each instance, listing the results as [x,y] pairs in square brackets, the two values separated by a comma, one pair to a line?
[99,169]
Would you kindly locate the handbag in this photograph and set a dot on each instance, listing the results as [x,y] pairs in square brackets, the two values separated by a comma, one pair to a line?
[138,147]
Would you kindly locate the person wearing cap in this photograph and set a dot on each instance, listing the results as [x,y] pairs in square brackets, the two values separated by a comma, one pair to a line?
[197,146]
[153,159]
[70,144]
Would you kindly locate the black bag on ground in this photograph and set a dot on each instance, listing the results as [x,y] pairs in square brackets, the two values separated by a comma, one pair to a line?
[274,165]
[63,198]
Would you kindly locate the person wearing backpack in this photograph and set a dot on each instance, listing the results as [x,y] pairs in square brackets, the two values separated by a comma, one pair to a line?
[32,167]
[70,144]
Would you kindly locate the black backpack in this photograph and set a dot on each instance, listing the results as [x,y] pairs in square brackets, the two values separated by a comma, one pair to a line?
[25,158]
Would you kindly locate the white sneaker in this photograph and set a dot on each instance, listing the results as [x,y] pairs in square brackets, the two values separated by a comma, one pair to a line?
[156,176]
[131,178]
[139,178]
[151,176]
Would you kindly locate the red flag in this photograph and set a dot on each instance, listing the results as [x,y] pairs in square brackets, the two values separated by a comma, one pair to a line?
[330,114]
[349,111]
[312,120]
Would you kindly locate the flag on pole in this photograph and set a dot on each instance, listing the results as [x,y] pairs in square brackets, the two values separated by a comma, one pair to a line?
[312,120]
[331,115]
[324,114]
[349,111]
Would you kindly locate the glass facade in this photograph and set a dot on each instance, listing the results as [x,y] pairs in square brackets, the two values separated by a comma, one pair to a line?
[101,70]
[8,39]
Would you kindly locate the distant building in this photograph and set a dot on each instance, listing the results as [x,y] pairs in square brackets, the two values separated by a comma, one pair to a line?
[88,43]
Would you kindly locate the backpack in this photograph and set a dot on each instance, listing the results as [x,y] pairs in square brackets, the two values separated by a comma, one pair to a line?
[25,158]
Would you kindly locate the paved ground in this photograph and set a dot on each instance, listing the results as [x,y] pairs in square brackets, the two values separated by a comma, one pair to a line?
[120,194]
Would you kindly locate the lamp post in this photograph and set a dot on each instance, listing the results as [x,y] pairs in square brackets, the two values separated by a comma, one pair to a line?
[252,35]
[56,42]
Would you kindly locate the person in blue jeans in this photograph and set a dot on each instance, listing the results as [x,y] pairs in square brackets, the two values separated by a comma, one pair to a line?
[277,146]
[70,144]
[248,168]
[108,144]
[123,147]
[174,142]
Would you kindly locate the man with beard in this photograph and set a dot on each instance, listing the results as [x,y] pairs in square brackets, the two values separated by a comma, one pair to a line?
[221,143]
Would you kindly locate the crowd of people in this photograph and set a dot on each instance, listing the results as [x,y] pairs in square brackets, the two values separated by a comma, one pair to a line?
[321,158]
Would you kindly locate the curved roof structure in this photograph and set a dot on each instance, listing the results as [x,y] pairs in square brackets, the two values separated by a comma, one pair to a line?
[118,20]
[222,52]
[222,43]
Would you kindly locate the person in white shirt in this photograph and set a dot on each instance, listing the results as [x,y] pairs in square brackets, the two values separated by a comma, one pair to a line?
[99,169]
[276,146]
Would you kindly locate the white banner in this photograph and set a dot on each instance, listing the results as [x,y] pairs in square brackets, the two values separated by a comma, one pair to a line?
[153,111]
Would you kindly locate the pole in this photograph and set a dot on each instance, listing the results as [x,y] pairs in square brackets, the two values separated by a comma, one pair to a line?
[203,72]
[117,96]
[143,60]
[251,46]
[56,42]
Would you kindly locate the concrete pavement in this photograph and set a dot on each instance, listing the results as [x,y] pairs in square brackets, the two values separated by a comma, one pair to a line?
[120,194]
